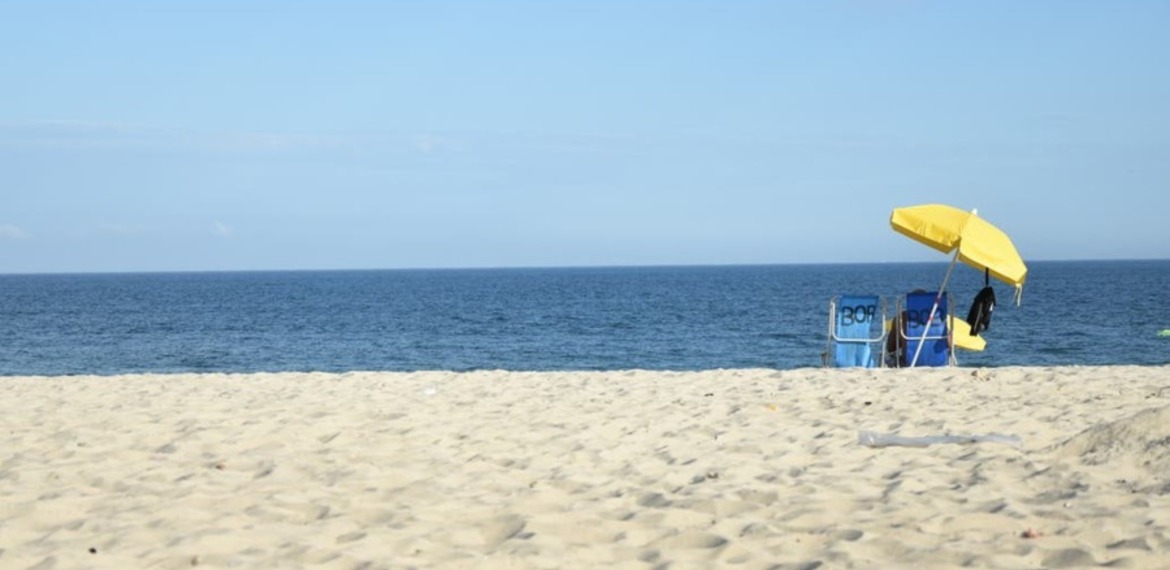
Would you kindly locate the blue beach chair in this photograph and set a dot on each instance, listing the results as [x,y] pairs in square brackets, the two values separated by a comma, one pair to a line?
[856,331]
[936,345]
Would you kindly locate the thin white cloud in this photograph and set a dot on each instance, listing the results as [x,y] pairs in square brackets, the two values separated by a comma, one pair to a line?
[109,136]
[270,142]
[430,143]
[83,135]
[9,231]
[118,229]
[220,229]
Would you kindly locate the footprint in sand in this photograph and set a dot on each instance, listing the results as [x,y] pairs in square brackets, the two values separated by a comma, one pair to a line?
[849,535]
[694,540]
[498,530]
[653,500]
[1069,558]
[1138,543]
[351,537]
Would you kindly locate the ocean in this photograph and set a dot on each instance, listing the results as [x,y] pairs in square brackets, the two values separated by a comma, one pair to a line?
[661,318]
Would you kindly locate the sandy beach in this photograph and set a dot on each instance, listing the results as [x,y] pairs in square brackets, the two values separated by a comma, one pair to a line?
[1064,467]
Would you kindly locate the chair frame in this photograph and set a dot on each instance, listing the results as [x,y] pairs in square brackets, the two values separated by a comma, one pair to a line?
[877,343]
[902,348]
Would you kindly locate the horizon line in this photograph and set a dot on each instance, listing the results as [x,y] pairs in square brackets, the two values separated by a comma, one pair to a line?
[542,267]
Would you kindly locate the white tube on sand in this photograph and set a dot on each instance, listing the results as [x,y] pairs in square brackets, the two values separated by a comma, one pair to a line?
[874,439]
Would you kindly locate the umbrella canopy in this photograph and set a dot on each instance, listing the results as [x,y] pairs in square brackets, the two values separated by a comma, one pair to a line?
[979,243]
[961,334]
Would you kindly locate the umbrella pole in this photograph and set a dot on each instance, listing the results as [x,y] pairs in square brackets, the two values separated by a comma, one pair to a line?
[934,309]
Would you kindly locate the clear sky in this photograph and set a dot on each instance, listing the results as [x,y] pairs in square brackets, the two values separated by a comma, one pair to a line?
[283,134]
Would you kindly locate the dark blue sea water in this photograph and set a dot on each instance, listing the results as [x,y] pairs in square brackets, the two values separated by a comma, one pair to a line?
[676,318]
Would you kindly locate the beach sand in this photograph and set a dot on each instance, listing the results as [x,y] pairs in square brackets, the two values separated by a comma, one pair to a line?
[632,469]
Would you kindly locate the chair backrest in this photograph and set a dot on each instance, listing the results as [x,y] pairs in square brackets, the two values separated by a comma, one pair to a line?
[856,330]
[936,346]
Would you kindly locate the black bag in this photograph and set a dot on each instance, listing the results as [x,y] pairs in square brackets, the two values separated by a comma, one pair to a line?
[979,317]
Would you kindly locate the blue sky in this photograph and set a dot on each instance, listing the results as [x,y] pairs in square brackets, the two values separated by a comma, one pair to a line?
[232,135]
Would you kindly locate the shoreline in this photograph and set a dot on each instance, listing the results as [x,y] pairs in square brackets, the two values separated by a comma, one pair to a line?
[743,468]
[586,371]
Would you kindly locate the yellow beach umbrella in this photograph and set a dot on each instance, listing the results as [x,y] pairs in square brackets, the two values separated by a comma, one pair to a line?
[972,239]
